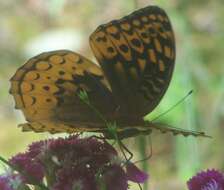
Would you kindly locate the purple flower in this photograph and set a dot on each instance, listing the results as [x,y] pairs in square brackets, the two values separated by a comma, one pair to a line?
[68,179]
[113,178]
[85,164]
[134,174]
[76,163]
[5,183]
[32,169]
[207,180]
[36,148]
[10,182]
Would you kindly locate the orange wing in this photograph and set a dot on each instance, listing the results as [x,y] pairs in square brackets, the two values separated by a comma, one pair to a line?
[46,90]
[137,54]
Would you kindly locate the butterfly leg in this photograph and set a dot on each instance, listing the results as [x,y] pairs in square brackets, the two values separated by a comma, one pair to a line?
[147,157]
[131,156]
[122,148]
[139,185]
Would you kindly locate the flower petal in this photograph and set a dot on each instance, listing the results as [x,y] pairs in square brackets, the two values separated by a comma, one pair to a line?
[207,180]
[135,174]
[113,178]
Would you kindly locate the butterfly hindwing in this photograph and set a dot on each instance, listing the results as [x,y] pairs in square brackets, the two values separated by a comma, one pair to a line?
[137,53]
[46,90]
[56,127]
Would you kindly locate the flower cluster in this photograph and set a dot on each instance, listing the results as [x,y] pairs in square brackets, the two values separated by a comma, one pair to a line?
[72,163]
[207,180]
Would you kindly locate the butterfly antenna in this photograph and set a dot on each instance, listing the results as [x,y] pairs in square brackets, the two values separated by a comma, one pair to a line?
[179,102]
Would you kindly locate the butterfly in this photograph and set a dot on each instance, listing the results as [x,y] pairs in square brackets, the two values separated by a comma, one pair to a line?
[136,55]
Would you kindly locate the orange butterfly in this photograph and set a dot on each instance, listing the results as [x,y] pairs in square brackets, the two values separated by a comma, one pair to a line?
[136,55]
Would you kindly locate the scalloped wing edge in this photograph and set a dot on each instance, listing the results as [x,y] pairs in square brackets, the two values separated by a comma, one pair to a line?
[53,128]
[122,133]
[164,128]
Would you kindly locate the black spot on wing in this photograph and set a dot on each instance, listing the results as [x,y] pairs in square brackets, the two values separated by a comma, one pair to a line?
[110,50]
[136,42]
[124,48]
[47,88]
[61,72]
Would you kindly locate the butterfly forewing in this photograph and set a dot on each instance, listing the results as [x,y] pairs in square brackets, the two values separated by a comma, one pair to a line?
[46,90]
[137,54]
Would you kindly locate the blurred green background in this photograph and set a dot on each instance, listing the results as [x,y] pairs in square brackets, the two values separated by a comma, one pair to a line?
[29,27]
